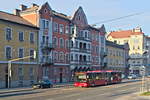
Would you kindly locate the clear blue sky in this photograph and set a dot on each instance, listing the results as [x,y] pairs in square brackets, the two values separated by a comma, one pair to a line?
[97,11]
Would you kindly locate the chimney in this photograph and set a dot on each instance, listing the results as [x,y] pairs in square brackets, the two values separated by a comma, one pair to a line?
[23,7]
[33,5]
[17,12]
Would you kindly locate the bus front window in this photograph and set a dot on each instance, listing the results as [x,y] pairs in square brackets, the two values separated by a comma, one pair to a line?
[81,78]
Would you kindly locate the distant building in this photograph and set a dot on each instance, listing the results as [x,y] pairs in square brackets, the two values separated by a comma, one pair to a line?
[19,38]
[137,43]
[117,57]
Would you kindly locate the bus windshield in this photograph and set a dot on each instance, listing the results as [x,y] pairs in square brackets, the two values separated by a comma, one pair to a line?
[81,78]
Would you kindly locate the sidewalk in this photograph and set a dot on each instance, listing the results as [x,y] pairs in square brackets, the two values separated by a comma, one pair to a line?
[10,90]
[134,96]
[21,89]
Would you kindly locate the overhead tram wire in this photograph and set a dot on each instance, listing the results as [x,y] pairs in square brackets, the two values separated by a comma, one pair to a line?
[114,19]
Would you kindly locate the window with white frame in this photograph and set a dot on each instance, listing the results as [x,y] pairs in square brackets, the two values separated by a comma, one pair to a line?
[76,57]
[67,29]
[61,56]
[85,33]
[20,52]
[45,24]
[67,43]
[55,26]
[55,41]
[71,57]
[31,37]
[61,43]
[21,36]
[8,52]
[89,46]
[55,56]
[8,32]
[67,57]
[61,28]
[89,58]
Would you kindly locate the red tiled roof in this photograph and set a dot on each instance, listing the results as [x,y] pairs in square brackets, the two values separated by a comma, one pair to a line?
[123,34]
[14,18]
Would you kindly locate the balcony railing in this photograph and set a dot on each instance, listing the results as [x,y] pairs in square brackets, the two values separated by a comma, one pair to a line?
[80,62]
[47,46]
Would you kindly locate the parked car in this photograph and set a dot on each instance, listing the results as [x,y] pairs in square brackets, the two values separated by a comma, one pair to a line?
[133,76]
[43,84]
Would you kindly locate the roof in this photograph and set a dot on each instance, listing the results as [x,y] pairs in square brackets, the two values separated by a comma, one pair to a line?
[112,44]
[15,19]
[124,33]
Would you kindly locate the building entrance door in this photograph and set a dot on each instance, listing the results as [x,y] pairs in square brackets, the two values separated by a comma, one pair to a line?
[6,80]
[60,77]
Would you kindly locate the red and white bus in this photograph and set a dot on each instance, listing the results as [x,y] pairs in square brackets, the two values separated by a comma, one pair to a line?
[95,78]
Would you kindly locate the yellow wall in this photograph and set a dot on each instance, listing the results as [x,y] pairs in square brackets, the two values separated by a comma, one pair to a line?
[133,41]
[15,43]
[113,57]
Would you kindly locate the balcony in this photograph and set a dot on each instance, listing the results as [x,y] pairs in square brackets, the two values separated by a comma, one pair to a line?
[83,62]
[47,61]
[47,46]
[84,50]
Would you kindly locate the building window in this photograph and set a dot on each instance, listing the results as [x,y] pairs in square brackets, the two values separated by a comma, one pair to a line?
[55,41]
[8,52]
[31,71]
[20,73]
[21,36]
[61,28]
[86,34]
[71,57]
[76,44]
[76,57]
[67,57]
[61,43]
[31,53]
[102,39]
[55,25]
[8,34]
[67,44]
[31,37]
[20,52]
[61,57]
[67,29]
[89,58]
[55,56]
[45,24]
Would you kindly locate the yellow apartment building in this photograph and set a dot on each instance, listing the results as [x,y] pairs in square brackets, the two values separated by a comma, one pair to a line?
[18,39]
[136,40]
[116,56]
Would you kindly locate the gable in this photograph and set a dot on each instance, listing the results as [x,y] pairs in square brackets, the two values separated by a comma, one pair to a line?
[79,18]
[45,11]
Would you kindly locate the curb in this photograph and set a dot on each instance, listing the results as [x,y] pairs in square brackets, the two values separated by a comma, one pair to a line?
[10,91]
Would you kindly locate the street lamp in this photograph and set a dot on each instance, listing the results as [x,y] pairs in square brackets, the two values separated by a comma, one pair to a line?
[9,65]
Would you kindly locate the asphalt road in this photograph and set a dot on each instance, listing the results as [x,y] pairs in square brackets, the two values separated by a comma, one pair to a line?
[121,91]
